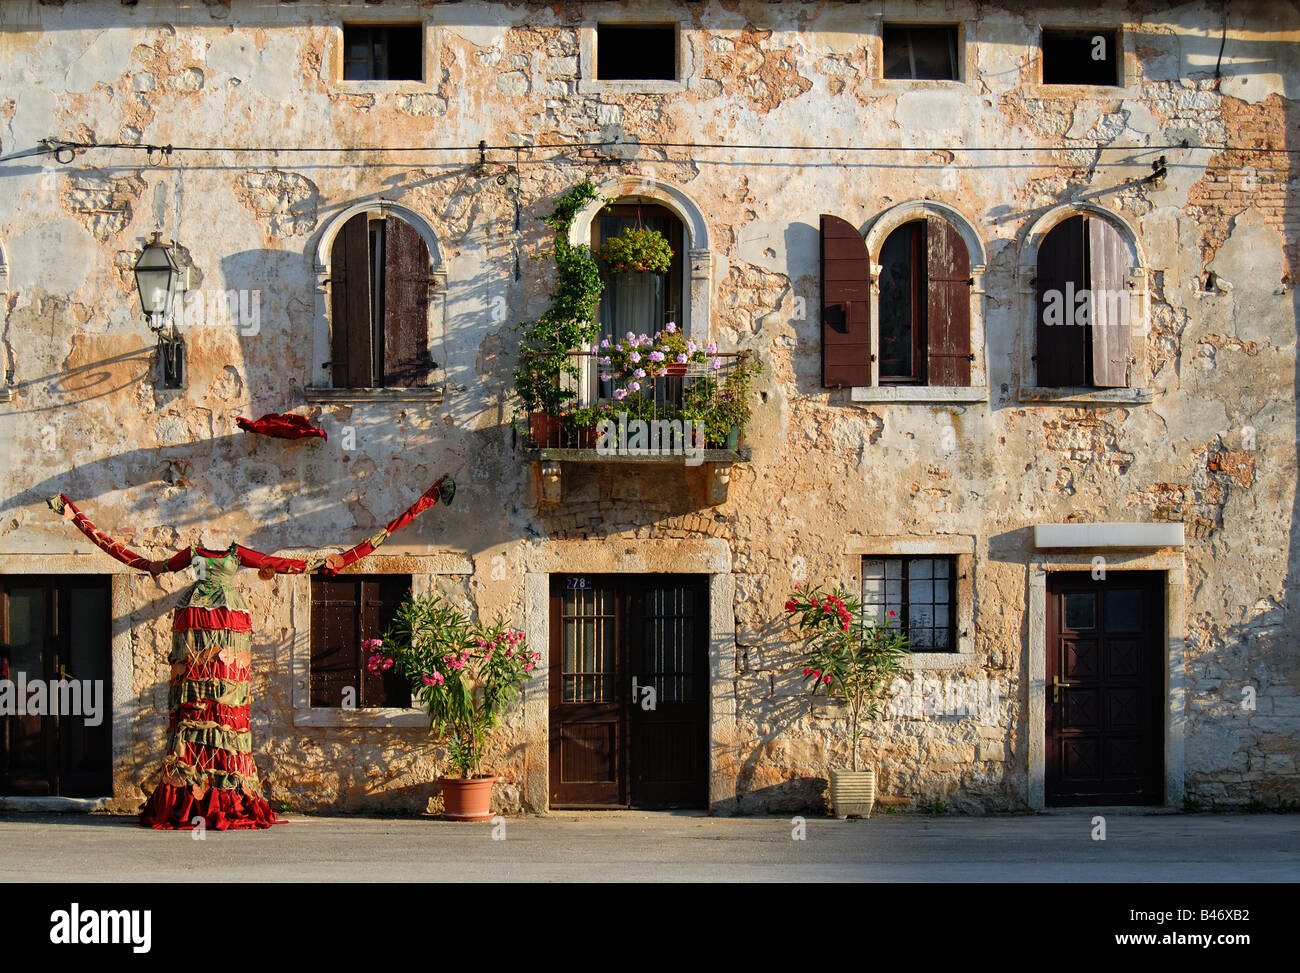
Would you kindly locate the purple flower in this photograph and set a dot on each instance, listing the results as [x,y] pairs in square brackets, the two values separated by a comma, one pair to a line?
[634,386]
[631,336]
[605,376]
[670,327]
[713,347]
[619,394]
[656,356]
[605,361]
[683,358]
[691,346]
[639,373]
[717,363]
[604,342]
[635,356]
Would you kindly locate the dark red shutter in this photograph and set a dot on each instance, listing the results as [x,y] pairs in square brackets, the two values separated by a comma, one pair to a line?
[379,598]
[846,315]
[406,305]
[947,305]
[350,342]
[1061,277]
[335,641]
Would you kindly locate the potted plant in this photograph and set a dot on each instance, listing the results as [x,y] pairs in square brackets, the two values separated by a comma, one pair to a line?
[637,250]
[630,361]
[465,676]
[723,405]
[854,660]
[569,323]
[581,425]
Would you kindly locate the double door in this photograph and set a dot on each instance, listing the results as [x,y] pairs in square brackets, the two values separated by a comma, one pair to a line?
[54,654]
[629,691]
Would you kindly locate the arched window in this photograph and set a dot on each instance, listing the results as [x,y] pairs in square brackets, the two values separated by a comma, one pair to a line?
[901,307]
[641,301]
[1083,319]
[379,304]
[924,305]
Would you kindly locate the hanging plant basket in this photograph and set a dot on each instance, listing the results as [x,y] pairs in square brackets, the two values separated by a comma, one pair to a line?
[636,249]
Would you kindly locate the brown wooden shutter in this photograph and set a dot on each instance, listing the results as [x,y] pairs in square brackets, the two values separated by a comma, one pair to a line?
[335,640]
[846,315]
[1108,270]
[350,341]
[406,305]
[947,305]
[1061,276]
[379,598]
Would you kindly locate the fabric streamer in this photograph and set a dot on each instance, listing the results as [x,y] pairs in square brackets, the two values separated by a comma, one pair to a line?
[209,777]
[281,426]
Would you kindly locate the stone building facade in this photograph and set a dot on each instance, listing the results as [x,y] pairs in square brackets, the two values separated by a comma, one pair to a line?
[1175,484]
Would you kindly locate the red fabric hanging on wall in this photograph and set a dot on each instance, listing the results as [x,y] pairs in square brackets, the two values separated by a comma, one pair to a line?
[281,426]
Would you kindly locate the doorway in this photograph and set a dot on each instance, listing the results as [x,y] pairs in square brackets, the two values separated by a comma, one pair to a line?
[629,691]
[1105,689]
[55,635]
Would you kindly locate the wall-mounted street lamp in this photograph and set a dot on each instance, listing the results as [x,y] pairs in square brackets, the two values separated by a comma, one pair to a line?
[157,279]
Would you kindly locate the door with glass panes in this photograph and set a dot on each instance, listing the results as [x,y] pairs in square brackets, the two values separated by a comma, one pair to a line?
[54,643]
[629,690]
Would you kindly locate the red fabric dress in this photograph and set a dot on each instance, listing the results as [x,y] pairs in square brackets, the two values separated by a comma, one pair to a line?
[208,773]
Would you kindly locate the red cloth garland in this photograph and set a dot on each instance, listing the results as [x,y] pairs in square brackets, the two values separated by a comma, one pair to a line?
[444,489]
[211,618]
[281,426]
[221,810]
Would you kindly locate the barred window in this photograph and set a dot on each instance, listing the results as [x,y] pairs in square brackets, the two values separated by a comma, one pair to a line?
[916,593]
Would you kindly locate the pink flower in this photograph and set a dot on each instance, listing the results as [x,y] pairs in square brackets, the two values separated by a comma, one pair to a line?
[634,357]
[620,394]
[388,664]
[670,327]
[634,386]
[683,358]
[605,376]
[372,643]
[639,373]
[807,671]
[713,347]
[537,655]
[826,679]
[717,363]
[656,356]
[528,667]
[604,343]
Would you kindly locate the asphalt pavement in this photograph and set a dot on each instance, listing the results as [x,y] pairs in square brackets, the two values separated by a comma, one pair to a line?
[633,846]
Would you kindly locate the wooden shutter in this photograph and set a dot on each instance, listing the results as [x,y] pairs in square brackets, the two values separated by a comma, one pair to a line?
[335,640]
[1061,276]
[406,305]
[379,599]
[947,305]
[1109,268]
[846,316]
[350,341]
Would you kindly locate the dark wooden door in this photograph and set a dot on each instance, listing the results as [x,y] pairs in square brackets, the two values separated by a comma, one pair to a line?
[1105,689]
[629,691]
[56,630]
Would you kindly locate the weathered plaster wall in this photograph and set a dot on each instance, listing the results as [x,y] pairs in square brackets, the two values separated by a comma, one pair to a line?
[162,469]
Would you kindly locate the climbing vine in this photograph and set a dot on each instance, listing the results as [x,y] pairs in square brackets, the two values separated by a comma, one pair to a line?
[570,321]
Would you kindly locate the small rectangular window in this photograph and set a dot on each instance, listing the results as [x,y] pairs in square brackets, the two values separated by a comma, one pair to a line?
[346,611]
[636,52]
[1080,57]
[920,53]
[917,594]
[392,52]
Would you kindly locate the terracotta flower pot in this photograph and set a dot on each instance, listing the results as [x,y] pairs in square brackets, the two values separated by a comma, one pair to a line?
[853,793]
[546,430]
[467,799]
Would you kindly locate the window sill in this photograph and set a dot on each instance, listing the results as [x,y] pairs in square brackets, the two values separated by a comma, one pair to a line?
[919,393]
[1086,396]
[380,717]
[917,661]
[593,86]
[433,395]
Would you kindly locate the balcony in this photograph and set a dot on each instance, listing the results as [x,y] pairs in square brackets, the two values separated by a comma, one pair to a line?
[695,419]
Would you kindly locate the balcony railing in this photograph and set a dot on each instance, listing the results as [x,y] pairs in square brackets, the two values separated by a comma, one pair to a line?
[706,398]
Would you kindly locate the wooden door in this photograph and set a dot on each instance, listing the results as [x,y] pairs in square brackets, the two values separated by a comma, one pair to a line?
[629,691]
[1105,689]
[55,629]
